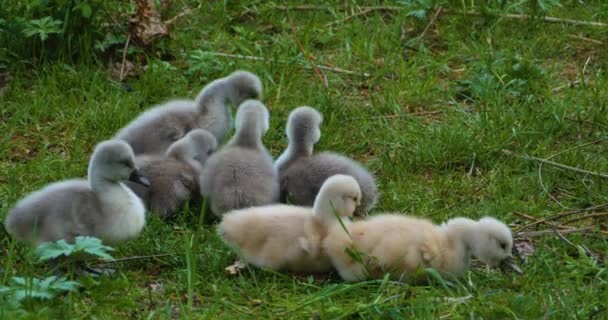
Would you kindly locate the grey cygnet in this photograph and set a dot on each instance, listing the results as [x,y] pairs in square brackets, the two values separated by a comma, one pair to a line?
[102,207]
[301,174]
[156,129]
[241,174]
[174,176]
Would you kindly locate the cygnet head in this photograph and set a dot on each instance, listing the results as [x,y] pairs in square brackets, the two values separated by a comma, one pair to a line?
[198,145]
[303,127]
[255,111]
[492,241]
[247,86]
[340,193]
[113,161]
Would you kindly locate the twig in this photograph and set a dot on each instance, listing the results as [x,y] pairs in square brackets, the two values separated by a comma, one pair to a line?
[528,234]
[141,257]
[184,12]
[584,38]
[589,216]
[471,13]
[318,72]
[568,85]
[540,166]
[531,218]
[556,164]
[545,189]
[587,251]
[177,16]
[237,56]
[575,82]
[585,66]
[301,8]
[124,58]
[395,116]
[312,8]
[545,19]
[539,221]
[362,12]
[428,26]
[322,67]
[421,113]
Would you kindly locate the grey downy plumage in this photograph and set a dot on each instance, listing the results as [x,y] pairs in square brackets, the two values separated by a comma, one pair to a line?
[301,174]
[174,176]
[156,129]
[102,206]
[241,174]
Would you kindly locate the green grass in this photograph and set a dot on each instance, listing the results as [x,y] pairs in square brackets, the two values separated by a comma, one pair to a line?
[431,122]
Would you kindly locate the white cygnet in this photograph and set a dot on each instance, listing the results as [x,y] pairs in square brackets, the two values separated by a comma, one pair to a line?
[174,176]
[288,238]
[301,173]
[401,245]
[156,129]
[241,175]
[102,207]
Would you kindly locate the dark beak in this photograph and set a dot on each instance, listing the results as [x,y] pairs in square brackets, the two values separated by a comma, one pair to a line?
[509,264]
[138,178]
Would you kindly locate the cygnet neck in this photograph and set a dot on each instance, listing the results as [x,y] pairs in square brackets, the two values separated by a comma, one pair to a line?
[324,210]
[249,134]
[181,150]
[301,145]
[294,151]
[462,230]
[96,179]
[214,98]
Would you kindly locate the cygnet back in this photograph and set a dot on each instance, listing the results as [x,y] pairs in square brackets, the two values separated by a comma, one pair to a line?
[157,128]
[301,181]
[241,174]
[174,176]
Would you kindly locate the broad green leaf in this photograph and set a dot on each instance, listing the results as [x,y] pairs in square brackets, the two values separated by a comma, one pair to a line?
[82,245]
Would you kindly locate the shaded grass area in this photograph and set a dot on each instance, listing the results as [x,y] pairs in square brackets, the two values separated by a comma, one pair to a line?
[431,120]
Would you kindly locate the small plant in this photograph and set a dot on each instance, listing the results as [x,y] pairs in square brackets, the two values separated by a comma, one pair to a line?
[419,8]
[21,288]
[42,28]
[44,31]
[109,41]
[204,62]
[540,8]
[514,78]
[82,248]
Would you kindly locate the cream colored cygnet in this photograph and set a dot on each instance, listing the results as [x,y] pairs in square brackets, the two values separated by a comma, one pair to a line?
[288,238]
[401,245]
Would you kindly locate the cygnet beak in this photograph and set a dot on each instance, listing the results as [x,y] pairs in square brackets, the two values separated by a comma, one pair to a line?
[509,263]
[138,178]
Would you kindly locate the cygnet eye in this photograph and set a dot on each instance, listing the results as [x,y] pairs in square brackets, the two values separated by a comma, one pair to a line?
[503,245]
[126,163]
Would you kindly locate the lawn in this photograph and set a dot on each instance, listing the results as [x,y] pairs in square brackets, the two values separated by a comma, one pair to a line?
[458,110]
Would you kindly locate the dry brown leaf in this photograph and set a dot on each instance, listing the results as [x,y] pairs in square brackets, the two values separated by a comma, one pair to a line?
[523,249]
[235,268]
[129,70]
[147,24]
[157,287]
